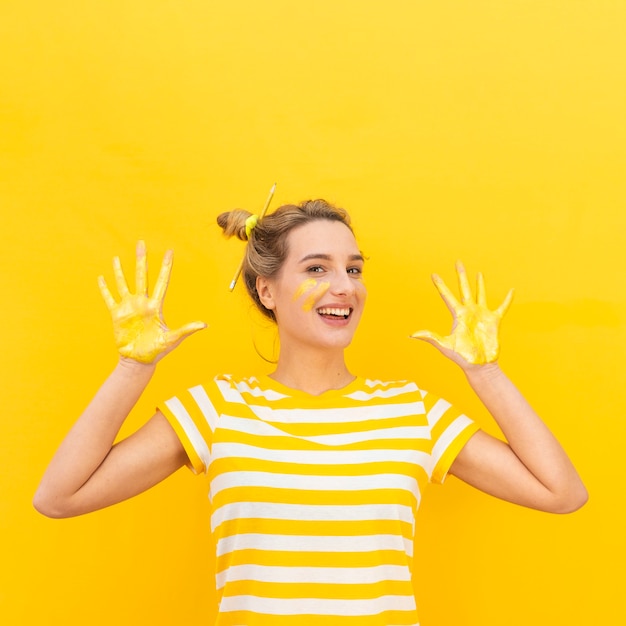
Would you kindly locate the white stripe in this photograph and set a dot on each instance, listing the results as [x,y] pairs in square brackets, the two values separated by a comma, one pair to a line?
[243,387]
[384,383]
[383,393]
[447,437]
[321,575]
[343,415]
[300,482]
[316,606]
[312,512]
[438,409]
[229,394]
[314,543]
[319,457]
[256,427]
[192,432]
[205,405]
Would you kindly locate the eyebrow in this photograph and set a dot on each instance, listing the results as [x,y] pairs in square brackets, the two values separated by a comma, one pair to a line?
[327,257]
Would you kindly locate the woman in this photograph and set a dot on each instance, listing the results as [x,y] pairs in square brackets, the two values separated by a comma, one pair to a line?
[315,474]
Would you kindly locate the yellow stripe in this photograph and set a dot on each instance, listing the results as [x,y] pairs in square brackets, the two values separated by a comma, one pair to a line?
[293,443]
[310,559]
[239,464]
[297,401]
[324,591]
[294,496]
[313,429]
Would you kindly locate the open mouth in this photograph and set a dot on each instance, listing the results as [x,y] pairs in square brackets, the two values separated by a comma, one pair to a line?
[335,313]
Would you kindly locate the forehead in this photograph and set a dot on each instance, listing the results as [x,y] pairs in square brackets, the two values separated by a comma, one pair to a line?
[321,236]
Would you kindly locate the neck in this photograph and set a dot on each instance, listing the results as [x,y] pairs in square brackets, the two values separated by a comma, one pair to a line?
[313,372]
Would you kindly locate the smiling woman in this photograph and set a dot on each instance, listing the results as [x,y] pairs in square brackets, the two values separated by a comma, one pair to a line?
[316,474]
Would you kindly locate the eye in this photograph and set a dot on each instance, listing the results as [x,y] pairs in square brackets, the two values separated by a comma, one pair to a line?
[355,270]
[315,269]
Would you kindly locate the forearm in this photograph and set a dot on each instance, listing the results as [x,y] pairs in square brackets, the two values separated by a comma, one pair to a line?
[91,438]
[527,435]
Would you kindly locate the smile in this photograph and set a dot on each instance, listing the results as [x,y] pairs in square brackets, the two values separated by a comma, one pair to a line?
[335,312]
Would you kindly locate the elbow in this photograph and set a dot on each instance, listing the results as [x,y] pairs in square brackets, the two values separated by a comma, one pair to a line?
[44,507]
[49,507]
[572,501]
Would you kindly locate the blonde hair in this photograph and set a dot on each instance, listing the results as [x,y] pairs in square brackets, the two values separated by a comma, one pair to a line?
[267,249]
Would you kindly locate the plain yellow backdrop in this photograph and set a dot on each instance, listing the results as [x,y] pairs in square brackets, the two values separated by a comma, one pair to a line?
[488,131]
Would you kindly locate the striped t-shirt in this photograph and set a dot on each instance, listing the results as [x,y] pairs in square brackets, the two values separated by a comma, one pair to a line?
[314,497]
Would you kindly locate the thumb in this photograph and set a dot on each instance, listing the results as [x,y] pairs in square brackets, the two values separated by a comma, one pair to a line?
[177,335]
[430,337]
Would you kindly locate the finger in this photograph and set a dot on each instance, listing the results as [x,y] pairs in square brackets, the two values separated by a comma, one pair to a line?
[504,307]
[481,294]
[141,269]
[164,277]
[447,296]
[120,280]
[174,336]
[109,300]
[464,286]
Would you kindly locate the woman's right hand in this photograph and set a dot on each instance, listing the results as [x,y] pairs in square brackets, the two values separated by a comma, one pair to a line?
[140,331]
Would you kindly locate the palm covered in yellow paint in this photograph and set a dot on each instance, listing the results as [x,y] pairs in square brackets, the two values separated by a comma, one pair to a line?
[140,331]
[474,335]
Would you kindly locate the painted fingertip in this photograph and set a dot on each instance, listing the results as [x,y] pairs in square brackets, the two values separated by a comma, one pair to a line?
[509,297]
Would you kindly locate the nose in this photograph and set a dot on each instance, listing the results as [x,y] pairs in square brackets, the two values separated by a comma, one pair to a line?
[342,284]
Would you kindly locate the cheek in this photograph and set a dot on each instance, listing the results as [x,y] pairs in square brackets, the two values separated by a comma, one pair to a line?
[310,290]
[361,290]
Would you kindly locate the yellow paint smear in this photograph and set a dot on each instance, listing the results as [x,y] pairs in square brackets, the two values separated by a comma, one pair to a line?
[313,290]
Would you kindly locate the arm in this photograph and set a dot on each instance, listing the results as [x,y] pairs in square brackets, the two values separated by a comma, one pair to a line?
[89,471]
[531,468]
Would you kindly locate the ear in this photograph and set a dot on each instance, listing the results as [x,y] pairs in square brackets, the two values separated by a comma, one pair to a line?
[264,289]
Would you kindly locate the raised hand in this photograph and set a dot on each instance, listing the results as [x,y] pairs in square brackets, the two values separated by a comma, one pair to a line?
[474,336]
[140,331]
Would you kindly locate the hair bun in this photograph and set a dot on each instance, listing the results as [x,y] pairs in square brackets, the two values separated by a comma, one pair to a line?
[233,223]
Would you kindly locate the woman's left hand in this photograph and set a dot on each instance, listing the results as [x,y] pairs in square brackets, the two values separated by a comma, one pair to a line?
[474,337]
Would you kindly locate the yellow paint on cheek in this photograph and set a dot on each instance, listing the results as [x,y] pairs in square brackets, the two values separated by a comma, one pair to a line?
[307,285]
[312,290]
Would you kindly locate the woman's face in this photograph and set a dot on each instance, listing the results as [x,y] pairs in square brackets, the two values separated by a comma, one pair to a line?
[319,294]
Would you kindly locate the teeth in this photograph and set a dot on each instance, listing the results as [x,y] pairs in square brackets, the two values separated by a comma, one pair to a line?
[333,311]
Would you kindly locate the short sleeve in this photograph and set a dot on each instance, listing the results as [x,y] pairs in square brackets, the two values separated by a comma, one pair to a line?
[449,431]
[193,417]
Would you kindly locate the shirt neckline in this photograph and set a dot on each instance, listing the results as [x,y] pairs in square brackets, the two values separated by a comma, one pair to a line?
[267,382]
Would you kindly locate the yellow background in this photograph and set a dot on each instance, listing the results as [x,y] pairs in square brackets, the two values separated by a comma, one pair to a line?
[488,131]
